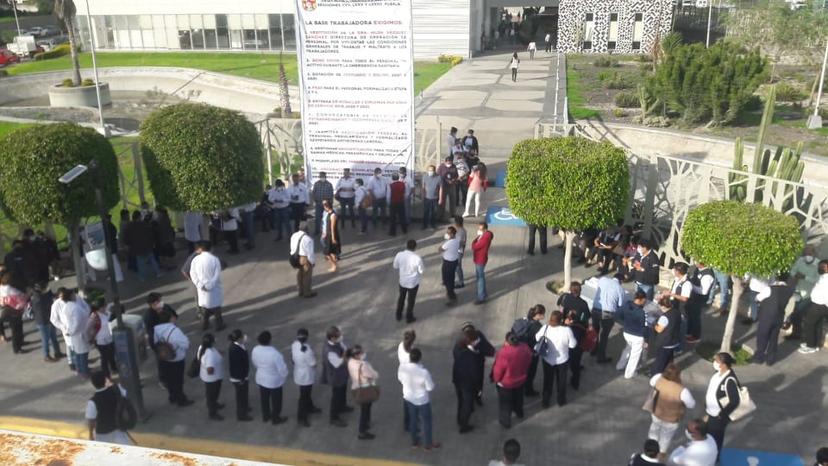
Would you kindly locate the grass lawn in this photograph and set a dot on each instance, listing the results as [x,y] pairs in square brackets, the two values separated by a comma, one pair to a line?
[576,93]
[263,66]
[6,126]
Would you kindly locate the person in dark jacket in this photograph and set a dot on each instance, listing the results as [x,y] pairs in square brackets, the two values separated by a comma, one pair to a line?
[526,328]
[164,237]
[574,301]
[646,268]
[771,315]
[724,389]
[140,239]
[464,375]
[41,302]
[649,457]
[483,349]
[335,374]
[634,320]
[239,373]
[668,335]
[155,306]
[579,330]
[22,263]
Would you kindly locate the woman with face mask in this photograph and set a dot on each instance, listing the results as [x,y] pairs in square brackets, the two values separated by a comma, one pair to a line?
[362,374]
[722,397]
[304,375]
[239,372]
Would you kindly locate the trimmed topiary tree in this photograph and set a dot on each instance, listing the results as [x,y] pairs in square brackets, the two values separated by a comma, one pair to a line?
[740,239]
[201,158]
[569,183]
[31,161]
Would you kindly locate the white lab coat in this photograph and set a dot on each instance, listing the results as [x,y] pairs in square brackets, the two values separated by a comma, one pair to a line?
[205,273]
[77,322]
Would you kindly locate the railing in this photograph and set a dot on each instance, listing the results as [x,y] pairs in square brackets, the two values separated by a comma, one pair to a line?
[282,140]
[558,124]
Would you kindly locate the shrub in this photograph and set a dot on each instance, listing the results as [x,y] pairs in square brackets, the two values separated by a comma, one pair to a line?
[644,58]
[604,76]
[617,82]
[67,83]
[606,62]
[627,100]
[88,82]
[571,183]
[786,92]
[58,51]
[618,113]
[202,158]
[3,73]
[753,103]
[453,59]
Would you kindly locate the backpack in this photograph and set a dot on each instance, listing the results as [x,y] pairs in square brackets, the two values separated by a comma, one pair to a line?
[164,350]
[126,417]
[294,255]
[521,329]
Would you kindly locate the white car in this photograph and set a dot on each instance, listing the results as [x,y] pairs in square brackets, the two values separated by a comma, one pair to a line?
[35,31]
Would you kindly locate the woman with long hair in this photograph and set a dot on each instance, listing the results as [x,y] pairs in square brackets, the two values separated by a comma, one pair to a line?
[362,375]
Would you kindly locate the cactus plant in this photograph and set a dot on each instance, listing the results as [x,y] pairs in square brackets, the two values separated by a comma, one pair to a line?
[649,102]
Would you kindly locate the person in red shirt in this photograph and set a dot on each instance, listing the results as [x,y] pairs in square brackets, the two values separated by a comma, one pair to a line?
[480,249]
[511,368]
[397,209]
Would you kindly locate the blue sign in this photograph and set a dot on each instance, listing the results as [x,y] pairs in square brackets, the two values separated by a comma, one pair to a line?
[736,457]
[500,181]
[498,215]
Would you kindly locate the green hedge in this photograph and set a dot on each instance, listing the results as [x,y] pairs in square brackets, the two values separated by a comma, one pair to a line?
[32,158]
[740,239]
[571,183]
[59,51]
[202,158]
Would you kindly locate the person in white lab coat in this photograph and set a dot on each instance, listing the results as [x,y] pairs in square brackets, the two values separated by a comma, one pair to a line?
[271,373]
[304,375]
[205,273]
[71,316]
[58,319]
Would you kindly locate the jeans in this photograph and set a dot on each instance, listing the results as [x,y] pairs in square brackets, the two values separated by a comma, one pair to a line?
[429,214]
[553,375]
[449,269]
[242,399]
[271,403]
[364,417]
[212,390]
[249,227]
[649,290]
[412,298]
[509,400]
[281,220]
[414,414]
[662,432]
[142,262]
[317,217]
[723,281]
[81,361]
[48,334]
[480,274]
[379,206]
[631,355]
[363,218]
[716,427]
[346,204]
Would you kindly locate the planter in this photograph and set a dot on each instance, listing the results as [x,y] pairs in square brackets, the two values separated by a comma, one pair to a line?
[81,96]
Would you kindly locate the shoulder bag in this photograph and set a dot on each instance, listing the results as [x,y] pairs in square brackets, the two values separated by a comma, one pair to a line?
[367,394]
[164,350]
[294,255]
[650,403]
[542,346]
[195,365]
[746,405]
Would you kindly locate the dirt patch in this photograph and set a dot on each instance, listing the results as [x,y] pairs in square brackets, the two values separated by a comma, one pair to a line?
[175,459]
[19,450]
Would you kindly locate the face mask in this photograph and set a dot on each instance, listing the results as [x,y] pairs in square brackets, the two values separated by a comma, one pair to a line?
[479,232]
[640,250]
[431,173]
[244,339]
[688,434]
[808,259]
[716,366]
[447,236]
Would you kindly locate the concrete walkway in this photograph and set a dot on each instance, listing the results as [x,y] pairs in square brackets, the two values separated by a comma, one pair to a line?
[602,424]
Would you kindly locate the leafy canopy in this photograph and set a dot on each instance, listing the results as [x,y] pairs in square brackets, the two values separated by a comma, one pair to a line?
[33,158]
[202,158]
[740,239]
[572,183]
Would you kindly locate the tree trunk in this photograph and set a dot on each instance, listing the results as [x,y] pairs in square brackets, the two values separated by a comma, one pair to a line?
[568,237]
[73,45]
[284,94]
[74,249]
[738,289]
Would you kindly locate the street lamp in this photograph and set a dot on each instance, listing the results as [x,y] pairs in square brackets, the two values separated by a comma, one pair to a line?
[16,21]
[125,350]
[95,68]
[815,120]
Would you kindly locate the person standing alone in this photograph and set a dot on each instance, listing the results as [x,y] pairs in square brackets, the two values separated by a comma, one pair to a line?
[205,273]
[480,251]
[450,251]
[411,269]
[514,63]
[301,244]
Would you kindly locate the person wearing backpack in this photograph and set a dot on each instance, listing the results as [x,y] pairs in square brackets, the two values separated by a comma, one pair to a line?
[301,247]
[525,329]
[171,349]
[722,397]
[99,323]
[102,411]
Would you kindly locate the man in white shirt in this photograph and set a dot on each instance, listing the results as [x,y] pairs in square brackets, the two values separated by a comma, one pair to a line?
[812,325]
[73,321]
[99,319]
[58,319]
[378,187]
[345,192]
[192,228]
[205,273]
[409,193]
[451,139]
[278,200]
[271,373]
[700,451]
[304,375]
[410,266]
[299,199]
[450,251]
[547,40]
[172,371]
[760,288]
[301,243]
[417,386]
[559,339]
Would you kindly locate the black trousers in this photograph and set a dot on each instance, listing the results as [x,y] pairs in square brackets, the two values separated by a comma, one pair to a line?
[15,321]
[212,390]
[305,402]
[397,214]
[465,403]
[603,337]
[338,394]
[575,355]
[412,298]
[242,399]
[767,340]
[694,320]
[812,325]
[554,375]
[542,234]
[529,385]
[663,357]
[172,374]
[509,400]
[297,214]
[716,427]
[364,417]
[271,403]
[232,237]
[108,365]
[218,322]
[449,270]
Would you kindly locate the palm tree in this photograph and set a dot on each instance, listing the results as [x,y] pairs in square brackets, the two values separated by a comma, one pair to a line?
[284,95]
[65,11]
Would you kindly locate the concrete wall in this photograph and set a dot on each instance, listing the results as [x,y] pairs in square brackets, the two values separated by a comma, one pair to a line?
[656,20]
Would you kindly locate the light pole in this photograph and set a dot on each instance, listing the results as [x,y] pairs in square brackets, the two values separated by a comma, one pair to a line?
[815,120]
[709,18]
[125,351]
[16,21]
[95,68]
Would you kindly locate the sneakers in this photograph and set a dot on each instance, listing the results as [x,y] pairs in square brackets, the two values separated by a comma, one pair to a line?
[808,350]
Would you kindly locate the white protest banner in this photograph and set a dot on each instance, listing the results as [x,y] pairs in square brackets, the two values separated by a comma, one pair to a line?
[357,81]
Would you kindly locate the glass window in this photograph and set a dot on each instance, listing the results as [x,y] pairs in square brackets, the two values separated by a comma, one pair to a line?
[275,31]
[638,31]
[158,32]
[100,32]
[222,33]
[234,23]
[121,32]
[262,28]
[289,33]
[198,38]
[589,31]
[171,32]
[249,32]
[210,39]
[613,31]
[110,30]
[184,36]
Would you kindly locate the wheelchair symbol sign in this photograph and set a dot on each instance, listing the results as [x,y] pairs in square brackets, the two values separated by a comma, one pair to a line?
[499,215]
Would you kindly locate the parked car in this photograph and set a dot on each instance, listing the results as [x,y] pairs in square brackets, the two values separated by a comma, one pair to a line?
[50,31]
[8,57]
[52,42]
[35,31]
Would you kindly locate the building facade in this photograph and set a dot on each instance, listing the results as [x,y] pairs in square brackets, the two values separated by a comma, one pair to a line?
[612,26]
